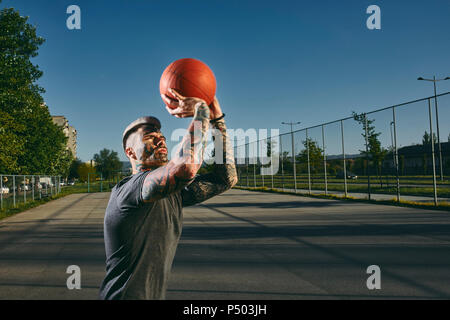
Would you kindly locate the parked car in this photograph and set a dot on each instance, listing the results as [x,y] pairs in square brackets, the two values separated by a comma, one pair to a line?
[5,190]
[71,183]
[350,175]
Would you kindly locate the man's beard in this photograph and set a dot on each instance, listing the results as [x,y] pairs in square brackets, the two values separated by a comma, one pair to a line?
[154,161]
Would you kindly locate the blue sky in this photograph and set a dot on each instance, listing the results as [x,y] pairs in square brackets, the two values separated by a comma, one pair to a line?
[308,61]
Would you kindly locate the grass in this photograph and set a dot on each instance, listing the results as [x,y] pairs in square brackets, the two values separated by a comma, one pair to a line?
[443,206]
[359,185]
[419,180]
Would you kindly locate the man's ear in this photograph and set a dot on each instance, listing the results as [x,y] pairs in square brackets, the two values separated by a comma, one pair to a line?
[130,153]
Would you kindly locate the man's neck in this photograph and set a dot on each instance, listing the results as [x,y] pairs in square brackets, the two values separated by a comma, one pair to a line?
[138,167]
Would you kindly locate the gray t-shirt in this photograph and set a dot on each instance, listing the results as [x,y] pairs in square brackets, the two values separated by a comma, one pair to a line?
[140,241]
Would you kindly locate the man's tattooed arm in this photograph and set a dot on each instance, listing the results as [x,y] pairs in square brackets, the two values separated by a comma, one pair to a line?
[224,174]
[181,170]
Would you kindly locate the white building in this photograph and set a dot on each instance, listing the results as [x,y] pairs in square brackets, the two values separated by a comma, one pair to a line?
[69,131]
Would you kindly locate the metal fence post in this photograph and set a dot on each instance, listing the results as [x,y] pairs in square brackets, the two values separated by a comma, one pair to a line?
[260,168]
[441,172]
[236,162]
[432,154]
[24,190]
[309,166]
[343,157]
[1,192]
[14,190]
[367,155]
[396,154]
[324,161]
[271,158]
[254,168]
[282,160]
[247,160]
[293,161]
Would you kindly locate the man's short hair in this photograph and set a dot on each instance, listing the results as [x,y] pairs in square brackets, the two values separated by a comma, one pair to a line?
[132,127]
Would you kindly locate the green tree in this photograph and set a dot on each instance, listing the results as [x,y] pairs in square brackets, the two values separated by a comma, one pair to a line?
[61,163]
[107,163]
[73,169]
[84,170]
[30,142]
[271,147]
[11,145]
[315,155]
[286,162]
[426,139]
[376,153]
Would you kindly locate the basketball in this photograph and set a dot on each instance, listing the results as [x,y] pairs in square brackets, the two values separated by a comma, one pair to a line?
[191,78]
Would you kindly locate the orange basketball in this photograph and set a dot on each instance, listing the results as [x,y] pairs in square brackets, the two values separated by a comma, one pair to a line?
[191,78]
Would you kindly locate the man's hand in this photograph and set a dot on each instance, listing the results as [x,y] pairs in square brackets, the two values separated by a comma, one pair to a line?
[183,107]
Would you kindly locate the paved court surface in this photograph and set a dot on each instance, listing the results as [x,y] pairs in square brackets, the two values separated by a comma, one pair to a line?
[241,245]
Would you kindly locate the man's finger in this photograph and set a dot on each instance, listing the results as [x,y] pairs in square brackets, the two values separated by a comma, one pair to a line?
[170,110]
[179,112]
[169,101]
[176,94]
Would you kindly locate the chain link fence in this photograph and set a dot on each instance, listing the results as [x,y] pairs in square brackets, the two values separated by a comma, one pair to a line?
[97,182]
[20,189]
[397,152]
[17,189]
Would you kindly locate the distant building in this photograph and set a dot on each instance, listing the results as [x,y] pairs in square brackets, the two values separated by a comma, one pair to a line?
[69,131]
[417,159]
[91,163]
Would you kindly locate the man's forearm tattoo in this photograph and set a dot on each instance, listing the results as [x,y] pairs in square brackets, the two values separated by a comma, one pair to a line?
[180,171]
[227,168]
[194,143]
[160,183]
[223,176]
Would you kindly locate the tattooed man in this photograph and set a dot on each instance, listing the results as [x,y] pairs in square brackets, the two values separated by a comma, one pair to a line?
[143,220]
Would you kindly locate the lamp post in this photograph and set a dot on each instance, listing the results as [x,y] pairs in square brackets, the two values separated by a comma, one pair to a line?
[293,152]
[395,151]
[434,80]
[392,144]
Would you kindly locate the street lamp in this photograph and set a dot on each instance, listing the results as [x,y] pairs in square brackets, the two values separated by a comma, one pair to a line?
[392,144]
[434,80]
[293,153]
